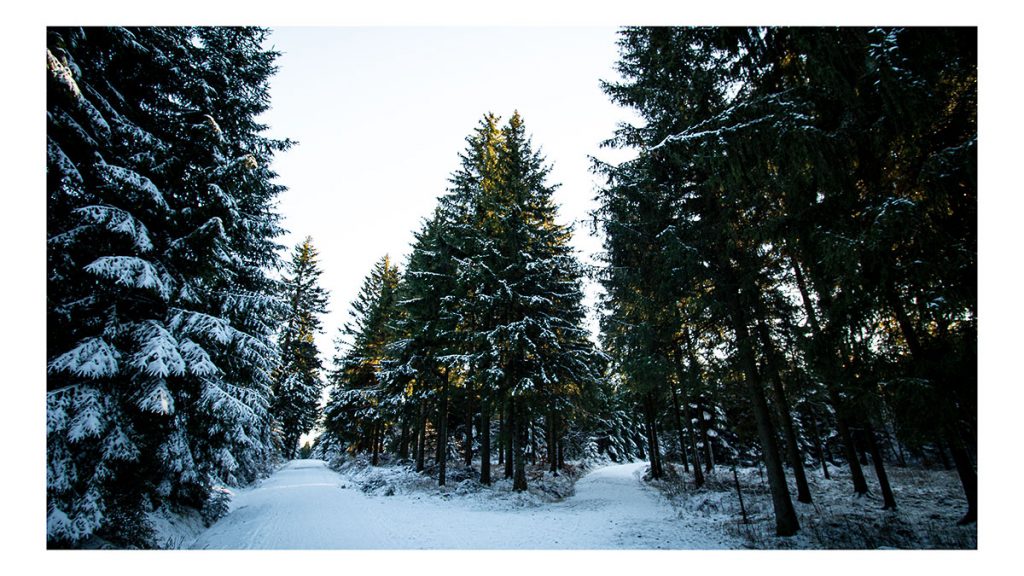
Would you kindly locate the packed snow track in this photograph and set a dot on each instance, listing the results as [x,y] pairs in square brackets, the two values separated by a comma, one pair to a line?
[306,505]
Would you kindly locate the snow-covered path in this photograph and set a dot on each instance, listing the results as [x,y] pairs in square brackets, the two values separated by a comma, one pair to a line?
[306,505]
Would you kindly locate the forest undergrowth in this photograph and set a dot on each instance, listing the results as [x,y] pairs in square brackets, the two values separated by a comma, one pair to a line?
[837,519]
[397,476]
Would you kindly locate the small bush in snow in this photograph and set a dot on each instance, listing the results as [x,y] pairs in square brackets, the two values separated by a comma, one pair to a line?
[217,504]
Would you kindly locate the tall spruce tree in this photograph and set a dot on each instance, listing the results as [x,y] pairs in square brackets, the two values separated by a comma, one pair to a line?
[523,313]
[427,340]
[298,383]
[356,417]
[490,314]
[160,230]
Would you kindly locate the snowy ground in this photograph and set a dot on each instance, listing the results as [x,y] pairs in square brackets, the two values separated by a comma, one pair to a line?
[306,505]
[929,503]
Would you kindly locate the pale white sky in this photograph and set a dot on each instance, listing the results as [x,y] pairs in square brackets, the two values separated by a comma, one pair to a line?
[381,115]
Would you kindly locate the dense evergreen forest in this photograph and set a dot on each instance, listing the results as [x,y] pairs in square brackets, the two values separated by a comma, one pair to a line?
[789,277]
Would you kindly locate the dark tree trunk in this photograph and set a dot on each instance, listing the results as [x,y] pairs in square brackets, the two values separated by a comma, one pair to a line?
[403,438]
[552,441]
[796,460]
[519,446]
[862,449]
[654,453]
[533,439]
[654,437]
[968,476]
[511,421]
[889,500]
[947,409]
[860,484]
[561,450]
[709,452]
[485,442]
[739,494]
[896,448]
[818,445]
[502,431]
[414,442]
[786,523]
[679,428]
[698,474]
[442,432]
[293,444]
[374,445]
[421,439]
[469,428]
[829,457]
[826,371]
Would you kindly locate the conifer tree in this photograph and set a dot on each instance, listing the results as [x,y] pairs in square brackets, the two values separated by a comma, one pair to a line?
[836,164]
[159,233]
[357,416]
[297,383]
[678,80]
[523,312]
[427,341]
[490,308]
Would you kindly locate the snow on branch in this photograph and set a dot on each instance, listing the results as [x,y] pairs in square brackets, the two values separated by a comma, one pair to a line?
[90,416]
[248,303]
[118,221]
[117,446]
[211,230]
[211,328]
[704,128]
[59,525]
[197,360]
[157,399]
[125,179]
[688,135]
[58,402]
[255,350]
[132,272]
[223,397]
[92,358]
[158,354]
[67,168]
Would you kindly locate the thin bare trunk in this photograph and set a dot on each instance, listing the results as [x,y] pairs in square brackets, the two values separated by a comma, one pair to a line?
[519,446]
[818,445]
[827,373]
[796,460]
[698,474]
[786,523]
[485,442]
[442,432]
[889,500]
[679,428]
[469,427]
[421,440]
[510,432]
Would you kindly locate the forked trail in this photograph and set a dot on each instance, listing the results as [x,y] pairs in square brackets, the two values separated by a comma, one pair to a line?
[306,505]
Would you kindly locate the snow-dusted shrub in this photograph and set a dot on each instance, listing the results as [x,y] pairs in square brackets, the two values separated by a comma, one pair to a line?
[217,504]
